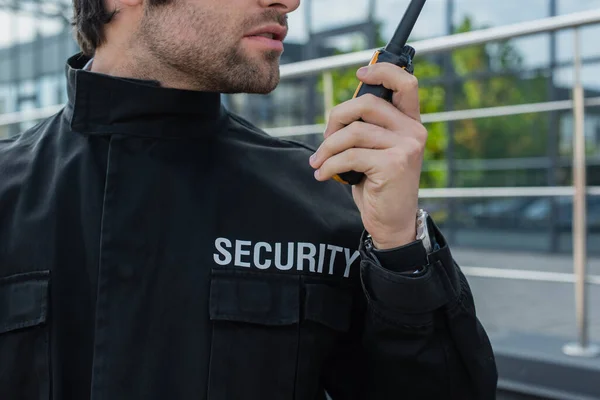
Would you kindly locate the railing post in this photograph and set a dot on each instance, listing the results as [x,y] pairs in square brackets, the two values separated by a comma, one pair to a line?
[581,348]
[328,95]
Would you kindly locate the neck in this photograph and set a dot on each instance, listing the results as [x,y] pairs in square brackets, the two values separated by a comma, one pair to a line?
[140,65]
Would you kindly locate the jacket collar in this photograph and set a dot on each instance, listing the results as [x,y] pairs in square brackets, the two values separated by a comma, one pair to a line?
[104,104]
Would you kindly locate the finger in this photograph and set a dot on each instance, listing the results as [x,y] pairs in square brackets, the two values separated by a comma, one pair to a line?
[356,135]
[370,109]
[359,160]
[404,85]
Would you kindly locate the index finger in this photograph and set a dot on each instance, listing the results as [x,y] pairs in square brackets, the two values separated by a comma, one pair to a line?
[404,85]
[367,108]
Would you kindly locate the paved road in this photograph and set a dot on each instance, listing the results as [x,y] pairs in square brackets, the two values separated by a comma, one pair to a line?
[525,306]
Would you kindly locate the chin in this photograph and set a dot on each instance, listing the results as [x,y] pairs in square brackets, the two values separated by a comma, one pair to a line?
[266,88]
[254,82]
[255,88]
[270,79]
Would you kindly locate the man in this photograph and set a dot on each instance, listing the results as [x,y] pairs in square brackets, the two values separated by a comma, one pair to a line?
[155,246]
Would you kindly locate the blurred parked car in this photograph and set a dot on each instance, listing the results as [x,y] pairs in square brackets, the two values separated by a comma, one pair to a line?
[499,213]
[539,213]
[529,213]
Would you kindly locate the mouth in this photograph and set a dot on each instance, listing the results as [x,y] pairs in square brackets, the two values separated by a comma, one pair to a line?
[270,32]
[268,38]
[271,36]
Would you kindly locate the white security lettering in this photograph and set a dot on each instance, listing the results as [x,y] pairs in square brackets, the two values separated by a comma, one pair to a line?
[349,261]
[239,253]
[322,251]
[221,244]
[290,257]
[257,262]
[310,256]
[334,250]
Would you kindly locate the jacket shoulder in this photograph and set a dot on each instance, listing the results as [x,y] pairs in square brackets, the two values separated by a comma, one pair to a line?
[20,156]
[241,124]
[16,154]
[283,166]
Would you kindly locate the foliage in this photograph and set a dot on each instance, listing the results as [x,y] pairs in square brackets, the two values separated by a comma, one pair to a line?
[514,136]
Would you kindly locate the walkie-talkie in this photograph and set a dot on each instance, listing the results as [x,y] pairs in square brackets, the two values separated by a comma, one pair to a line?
[395,52]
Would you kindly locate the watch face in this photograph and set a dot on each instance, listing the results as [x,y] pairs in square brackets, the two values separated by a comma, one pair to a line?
[423,230]
[421,225]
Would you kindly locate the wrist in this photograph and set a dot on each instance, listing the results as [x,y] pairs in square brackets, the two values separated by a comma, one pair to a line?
[418,231]
[394,240]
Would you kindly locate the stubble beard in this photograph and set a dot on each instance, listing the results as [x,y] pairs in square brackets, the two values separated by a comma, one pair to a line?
[210,58]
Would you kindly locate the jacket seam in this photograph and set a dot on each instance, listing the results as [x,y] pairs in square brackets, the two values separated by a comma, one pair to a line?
[24,324]
[458,305]
[298,333]
[448,373]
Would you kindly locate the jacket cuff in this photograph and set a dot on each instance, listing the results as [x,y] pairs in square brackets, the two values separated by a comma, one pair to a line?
[436,284]
[407,259]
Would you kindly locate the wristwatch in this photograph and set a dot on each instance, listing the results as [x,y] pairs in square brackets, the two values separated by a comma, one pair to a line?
[423,230]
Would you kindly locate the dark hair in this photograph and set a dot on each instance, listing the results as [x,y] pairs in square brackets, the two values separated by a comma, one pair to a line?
[89,18]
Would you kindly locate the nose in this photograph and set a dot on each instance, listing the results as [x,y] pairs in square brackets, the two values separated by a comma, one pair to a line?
[287,6]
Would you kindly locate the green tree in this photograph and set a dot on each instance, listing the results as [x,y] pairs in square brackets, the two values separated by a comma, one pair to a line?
[523,135]
[497,137]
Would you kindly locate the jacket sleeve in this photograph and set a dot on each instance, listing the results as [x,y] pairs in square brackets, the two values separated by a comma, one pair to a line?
[415,335]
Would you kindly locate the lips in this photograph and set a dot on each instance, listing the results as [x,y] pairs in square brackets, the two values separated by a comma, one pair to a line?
[267,35]
[273,32]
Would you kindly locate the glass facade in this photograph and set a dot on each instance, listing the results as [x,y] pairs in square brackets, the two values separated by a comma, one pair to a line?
[35,40]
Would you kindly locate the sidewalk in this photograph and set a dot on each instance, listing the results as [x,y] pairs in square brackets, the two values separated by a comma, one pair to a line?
[526,306]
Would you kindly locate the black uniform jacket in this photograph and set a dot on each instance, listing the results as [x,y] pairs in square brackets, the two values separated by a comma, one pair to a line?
[155,246]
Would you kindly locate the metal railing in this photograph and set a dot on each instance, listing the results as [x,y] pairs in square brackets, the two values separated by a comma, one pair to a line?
[572,21]
[447,116]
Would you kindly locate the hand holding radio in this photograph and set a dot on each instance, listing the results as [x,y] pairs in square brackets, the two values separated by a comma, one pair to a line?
[376,142]
[385,142]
